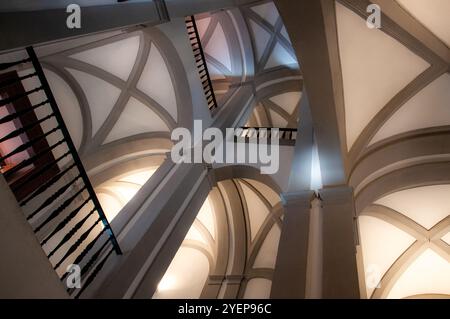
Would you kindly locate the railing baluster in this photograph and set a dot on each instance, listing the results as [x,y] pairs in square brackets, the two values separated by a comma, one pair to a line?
[13,116]
[29,189]
[46,185]
[24,129]
[91,260]
[72,232]
[85,251]
[16,80]
[94,273]
[37,173]
[25,146]
[32,159]
[76,244]
[11,99]
[64,222]
[4,66]
[200,61]
[285,135]
[71,146]
[52,198]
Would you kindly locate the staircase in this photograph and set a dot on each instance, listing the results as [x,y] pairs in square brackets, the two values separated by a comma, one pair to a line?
[40,163]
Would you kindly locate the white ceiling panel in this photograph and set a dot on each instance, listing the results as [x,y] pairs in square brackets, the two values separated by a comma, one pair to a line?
[217,47]
[428,274]
[429,108]
[101,96]
[433,14]
[136,118]
[268,12]
[287,101]
[156,82]
[117,58]
[375,67]
[382,244]
[426,205]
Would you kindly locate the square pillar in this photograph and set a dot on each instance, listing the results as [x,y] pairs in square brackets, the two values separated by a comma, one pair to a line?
[340,274]
[289,281]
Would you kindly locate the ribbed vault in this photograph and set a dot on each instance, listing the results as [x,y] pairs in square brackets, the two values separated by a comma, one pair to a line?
[120,98]
[411,257]
[397,123]
[237,230]
[384,94]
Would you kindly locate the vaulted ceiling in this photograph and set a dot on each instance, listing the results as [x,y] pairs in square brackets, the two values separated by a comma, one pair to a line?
[375,67]
[432,15]
[199,245]
[138,92]
[272,52]
[390,94]
[271,43]
[384,93]
[120,101]
[280,110]
[247,244]
[387,81]
[115,193]
[396,96]
[404,238]
[272,55]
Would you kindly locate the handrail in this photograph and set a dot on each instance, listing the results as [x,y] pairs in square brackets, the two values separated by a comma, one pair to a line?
[201,63]
[56,194]
[286,136]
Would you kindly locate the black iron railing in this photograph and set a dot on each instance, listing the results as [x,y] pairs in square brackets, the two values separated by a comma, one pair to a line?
[50,182]
[200,61]
[285,136]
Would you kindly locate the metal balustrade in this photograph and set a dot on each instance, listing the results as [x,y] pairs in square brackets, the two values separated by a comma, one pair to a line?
[285,136]
[50,182]
[200,62]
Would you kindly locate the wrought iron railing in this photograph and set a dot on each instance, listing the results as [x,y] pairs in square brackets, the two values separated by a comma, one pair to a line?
[200,61]
[285,136]
[49,181]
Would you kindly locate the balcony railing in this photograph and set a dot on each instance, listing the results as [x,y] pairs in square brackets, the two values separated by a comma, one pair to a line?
[44,171]
[285,136]
[200,61]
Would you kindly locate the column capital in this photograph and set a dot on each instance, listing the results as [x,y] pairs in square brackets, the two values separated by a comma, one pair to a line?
[301,198]
[336,195]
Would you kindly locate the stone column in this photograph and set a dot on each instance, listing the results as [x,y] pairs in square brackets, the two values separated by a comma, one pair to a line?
[315,252]
[340,274]
[289,279]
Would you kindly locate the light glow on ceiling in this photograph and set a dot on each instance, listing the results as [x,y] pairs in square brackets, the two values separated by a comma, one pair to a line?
[382,243]
[167,283]
[433,14]
[117,192]
[375,67]
[426,205]
[428,274]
